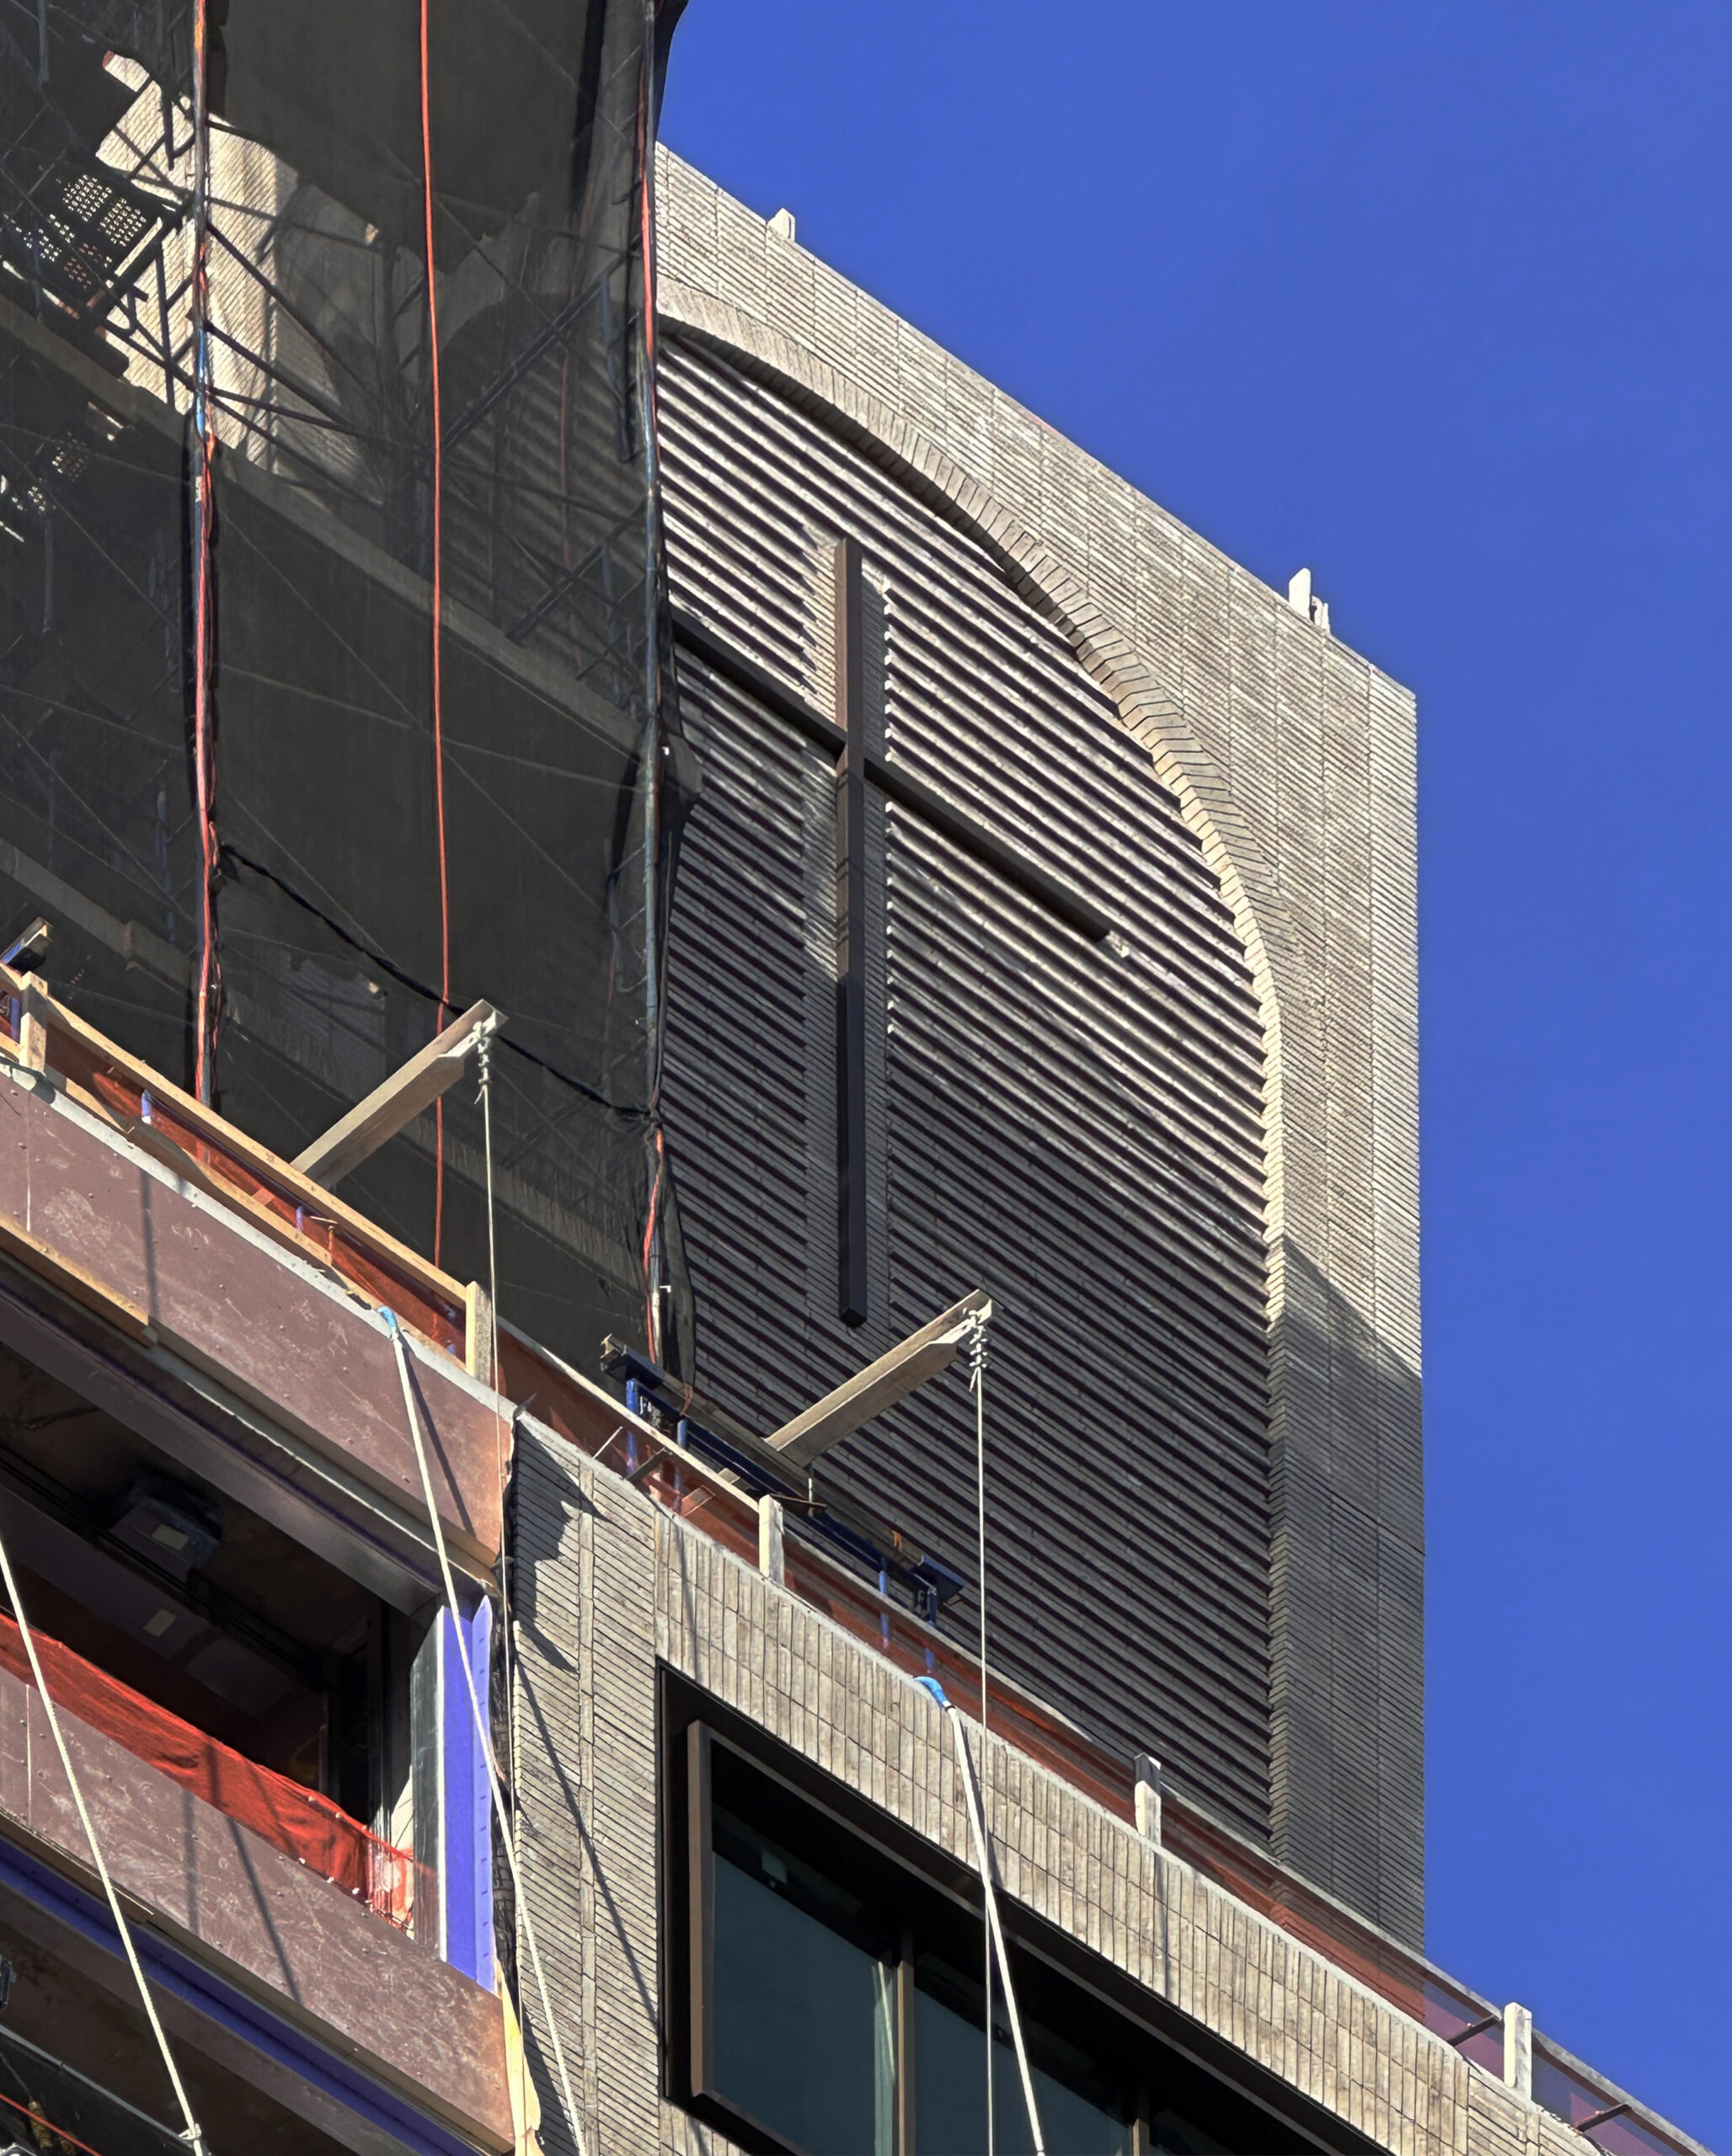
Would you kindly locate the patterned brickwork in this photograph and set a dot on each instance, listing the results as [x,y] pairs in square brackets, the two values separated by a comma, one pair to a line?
[608,1584]
[1293,759]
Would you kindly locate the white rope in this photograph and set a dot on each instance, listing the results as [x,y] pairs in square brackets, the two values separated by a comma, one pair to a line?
[483,1058]
[483,1738]
[994,1931]
[193,2134]
[977,1385]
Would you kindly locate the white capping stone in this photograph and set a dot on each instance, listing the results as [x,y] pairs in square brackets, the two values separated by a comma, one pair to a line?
[1148,1797]
[1518,2049]
[771,1562]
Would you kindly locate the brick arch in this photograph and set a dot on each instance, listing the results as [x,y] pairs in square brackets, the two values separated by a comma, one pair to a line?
[1287,996]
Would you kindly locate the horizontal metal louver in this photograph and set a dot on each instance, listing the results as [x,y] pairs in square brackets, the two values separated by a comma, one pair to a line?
[1073,1124]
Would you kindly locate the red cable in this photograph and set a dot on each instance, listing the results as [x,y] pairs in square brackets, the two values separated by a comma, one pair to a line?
[38,2118]
[650,1312]
[438,616]
[201,766]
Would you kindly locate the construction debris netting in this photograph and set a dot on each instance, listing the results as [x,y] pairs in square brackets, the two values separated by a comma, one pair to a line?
[300,1821]
[219,415]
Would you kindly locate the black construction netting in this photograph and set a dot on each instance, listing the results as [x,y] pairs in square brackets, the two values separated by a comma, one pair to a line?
[219,476]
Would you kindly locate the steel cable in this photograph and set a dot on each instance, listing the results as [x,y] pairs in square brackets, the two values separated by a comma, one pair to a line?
[193,2134]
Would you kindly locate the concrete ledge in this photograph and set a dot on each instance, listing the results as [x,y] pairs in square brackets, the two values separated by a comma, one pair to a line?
[259,1920]
[93,1216]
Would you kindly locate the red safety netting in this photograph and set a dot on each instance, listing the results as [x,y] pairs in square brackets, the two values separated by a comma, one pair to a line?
[298,1820]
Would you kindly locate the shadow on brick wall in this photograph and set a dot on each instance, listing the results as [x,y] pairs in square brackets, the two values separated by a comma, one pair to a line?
[1347,1669]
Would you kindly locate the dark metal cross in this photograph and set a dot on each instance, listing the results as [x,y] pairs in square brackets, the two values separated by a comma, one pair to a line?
[851,929]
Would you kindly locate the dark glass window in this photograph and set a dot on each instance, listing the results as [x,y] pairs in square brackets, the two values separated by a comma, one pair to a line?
[803,2018]
[828,1998]
[950,2089]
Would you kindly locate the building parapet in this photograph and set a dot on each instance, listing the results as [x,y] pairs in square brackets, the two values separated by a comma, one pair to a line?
[260,1919]
[823,1656]
[1384,2044]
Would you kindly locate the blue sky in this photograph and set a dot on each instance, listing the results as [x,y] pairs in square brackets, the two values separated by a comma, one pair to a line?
[1434,299]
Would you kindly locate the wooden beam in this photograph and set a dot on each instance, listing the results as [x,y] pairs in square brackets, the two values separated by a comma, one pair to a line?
[76,1059]
[881,1384]
[401,1097]
[28,947]
[73,1279]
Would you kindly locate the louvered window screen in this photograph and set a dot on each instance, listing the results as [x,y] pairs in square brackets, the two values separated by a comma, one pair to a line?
[1071,1122]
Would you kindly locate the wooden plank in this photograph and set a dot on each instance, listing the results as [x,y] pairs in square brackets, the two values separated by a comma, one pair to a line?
[30,945]
[72,1279]
[405,1095]
[477,1332]
[881,1384]
[43,1014]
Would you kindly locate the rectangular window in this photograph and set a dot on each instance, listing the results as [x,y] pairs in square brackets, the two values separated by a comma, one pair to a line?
[827,1996]
[803,1996]
[1081,2113]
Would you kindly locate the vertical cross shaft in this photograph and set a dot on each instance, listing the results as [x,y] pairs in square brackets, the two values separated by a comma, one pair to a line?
[851,937]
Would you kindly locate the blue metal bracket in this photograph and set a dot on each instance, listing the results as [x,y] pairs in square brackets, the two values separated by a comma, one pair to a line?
[466,1857]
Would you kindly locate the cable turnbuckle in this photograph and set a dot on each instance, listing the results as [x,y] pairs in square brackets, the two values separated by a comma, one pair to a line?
[977,1353]
[483,1038]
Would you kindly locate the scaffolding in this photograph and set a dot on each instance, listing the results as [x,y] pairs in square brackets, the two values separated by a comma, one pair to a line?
[304,812]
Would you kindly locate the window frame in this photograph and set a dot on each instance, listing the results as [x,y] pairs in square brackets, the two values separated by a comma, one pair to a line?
[1143,2028]
[701,1742]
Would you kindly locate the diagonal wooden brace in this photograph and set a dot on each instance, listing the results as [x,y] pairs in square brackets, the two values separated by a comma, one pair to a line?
[881,1384]
[401,1097]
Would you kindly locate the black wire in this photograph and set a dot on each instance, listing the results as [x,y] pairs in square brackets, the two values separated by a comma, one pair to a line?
[430,994]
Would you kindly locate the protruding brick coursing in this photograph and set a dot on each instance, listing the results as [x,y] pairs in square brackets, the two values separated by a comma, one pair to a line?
[608,1584]
[1292,759]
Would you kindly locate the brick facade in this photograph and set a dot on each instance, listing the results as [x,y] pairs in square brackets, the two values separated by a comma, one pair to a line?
[609,1585]
[1293,758]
